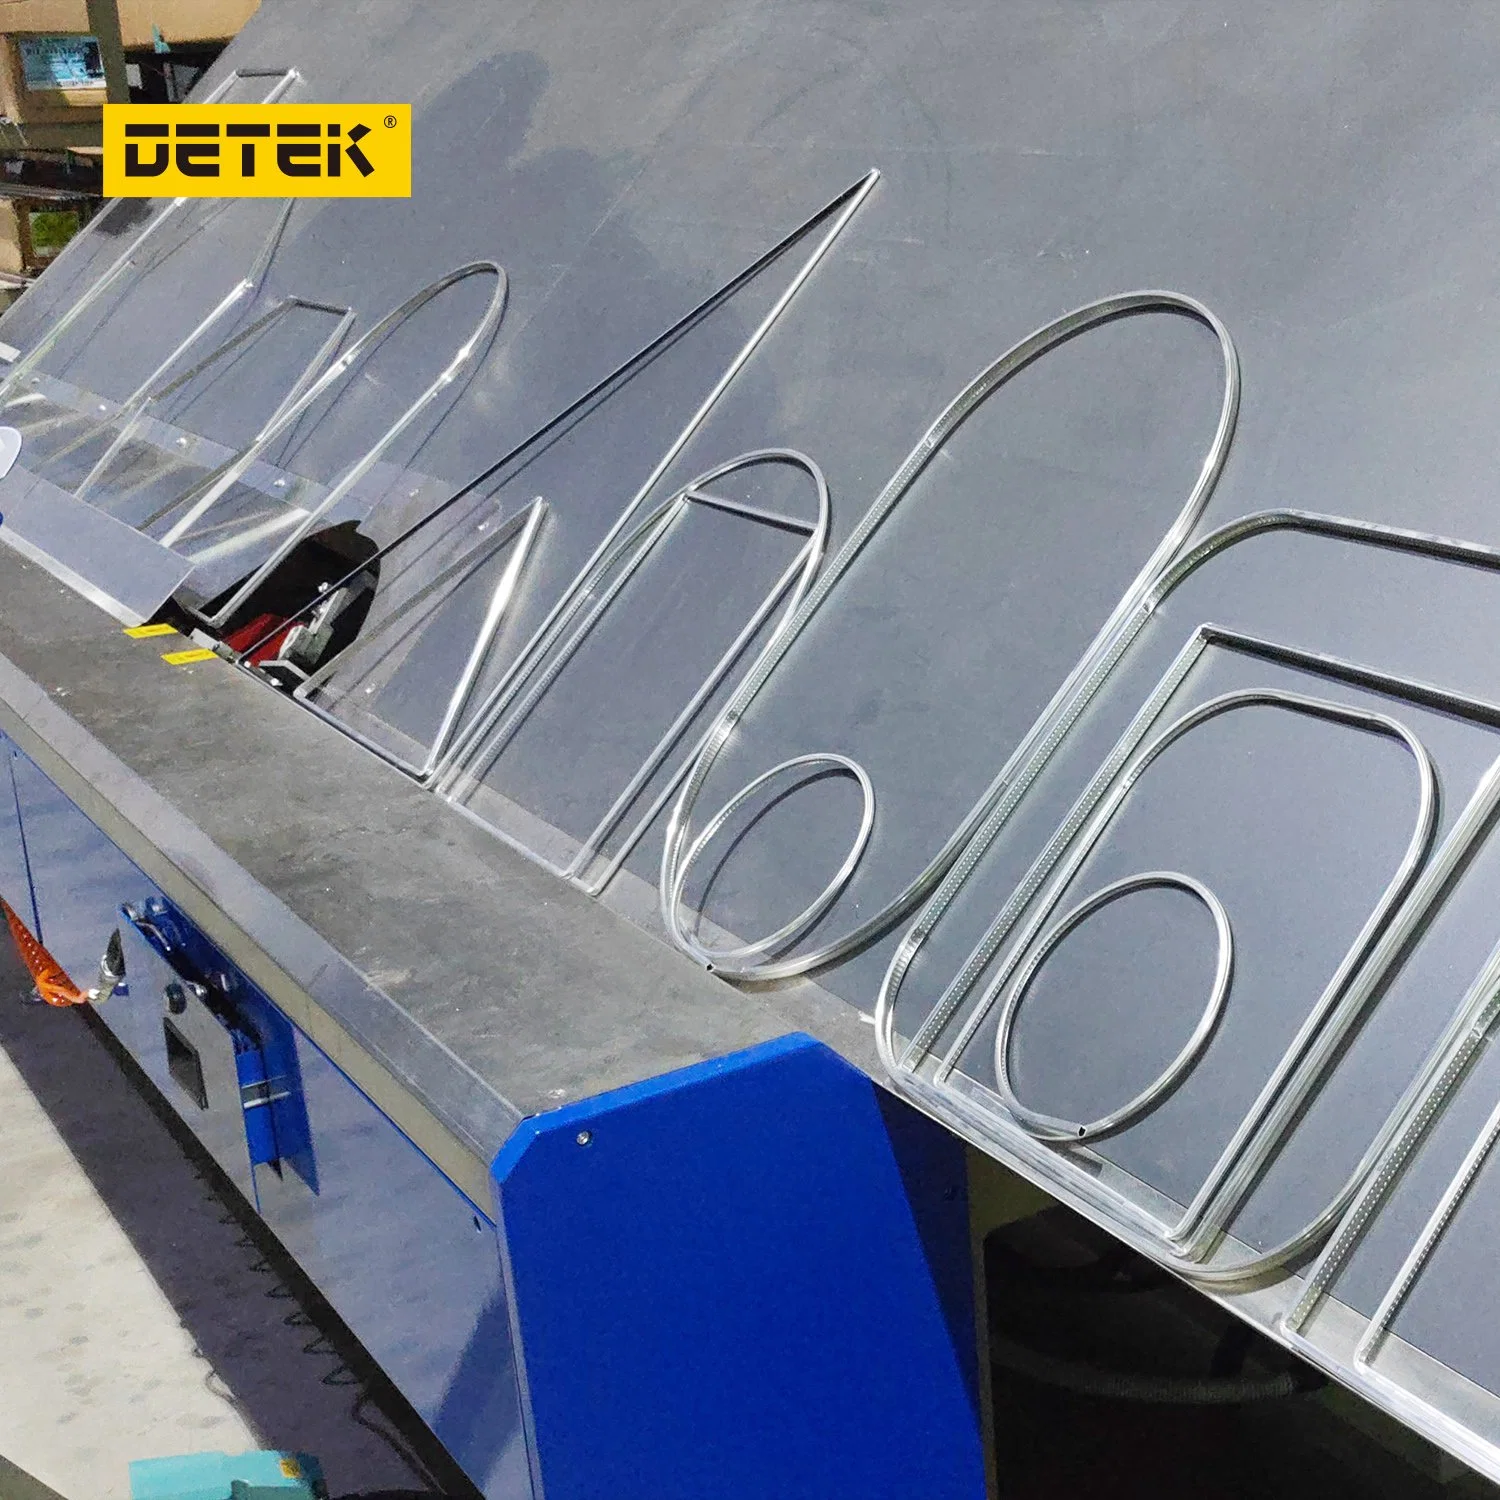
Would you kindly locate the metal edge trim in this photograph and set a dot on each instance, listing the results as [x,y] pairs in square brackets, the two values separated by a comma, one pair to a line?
[39,728]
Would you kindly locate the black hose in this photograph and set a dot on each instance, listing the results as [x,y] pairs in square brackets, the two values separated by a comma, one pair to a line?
[554,425]
[1114,1271]
[1162,1390]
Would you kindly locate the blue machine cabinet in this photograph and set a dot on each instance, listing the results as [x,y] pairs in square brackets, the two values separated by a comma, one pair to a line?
[404,1258]
[714,1273]
[750,1277]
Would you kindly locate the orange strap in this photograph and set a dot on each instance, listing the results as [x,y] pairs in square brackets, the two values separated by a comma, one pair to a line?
[52,983]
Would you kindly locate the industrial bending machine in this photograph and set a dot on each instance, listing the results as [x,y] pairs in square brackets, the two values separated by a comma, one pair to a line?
[854,618]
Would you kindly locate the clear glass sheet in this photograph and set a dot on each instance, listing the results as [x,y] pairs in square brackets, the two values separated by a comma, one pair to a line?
[443,609]
[630,689]
[574,464]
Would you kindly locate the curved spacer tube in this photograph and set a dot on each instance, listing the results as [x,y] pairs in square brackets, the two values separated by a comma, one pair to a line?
[1015,359]
[289,416]
[1297,703]
[794,584]
[631,550]
[1085,682]
[1173,1246]
[1424,1094]
[1052,1127]
[456,774]
[716,958]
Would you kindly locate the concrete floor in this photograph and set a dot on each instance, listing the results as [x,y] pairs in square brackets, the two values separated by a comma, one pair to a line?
[137,1317]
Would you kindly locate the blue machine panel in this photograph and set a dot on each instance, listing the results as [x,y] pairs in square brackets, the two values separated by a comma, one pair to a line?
[78,876]
[410,1264]
[746,1279]
[15,882]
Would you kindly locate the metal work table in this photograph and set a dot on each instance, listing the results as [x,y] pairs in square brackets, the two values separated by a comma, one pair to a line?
[236,802]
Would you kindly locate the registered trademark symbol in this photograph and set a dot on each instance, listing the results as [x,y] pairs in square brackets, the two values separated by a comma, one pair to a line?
[390,122]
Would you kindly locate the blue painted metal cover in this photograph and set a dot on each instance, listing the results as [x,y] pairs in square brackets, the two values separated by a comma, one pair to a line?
[748,1278]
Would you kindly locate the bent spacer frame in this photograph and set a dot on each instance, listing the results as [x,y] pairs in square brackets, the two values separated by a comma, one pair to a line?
[624,559]
[284,420]
[989,380]
[1123,1214]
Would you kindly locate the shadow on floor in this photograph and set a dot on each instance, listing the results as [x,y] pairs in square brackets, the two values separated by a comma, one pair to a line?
[17,1484]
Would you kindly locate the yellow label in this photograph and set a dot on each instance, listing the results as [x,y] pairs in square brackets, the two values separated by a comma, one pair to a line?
[257,151]
[145,632]
[187,658]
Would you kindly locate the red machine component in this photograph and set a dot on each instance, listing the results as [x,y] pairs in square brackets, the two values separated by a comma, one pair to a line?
[267,633]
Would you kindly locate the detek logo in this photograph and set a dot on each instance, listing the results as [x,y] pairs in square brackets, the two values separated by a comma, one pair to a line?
[257,151]
[197,149]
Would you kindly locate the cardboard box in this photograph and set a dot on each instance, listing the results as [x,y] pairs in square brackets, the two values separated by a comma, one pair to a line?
[11,258]
[43,15]
[179,21]
[182,21]
[24,69]
[32,31]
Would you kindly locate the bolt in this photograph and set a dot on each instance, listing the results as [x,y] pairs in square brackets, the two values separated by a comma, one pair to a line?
[584,1137]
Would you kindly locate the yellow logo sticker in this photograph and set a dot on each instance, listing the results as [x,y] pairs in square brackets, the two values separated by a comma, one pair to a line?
[257,150]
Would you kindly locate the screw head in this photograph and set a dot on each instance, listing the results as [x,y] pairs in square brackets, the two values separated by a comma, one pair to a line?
[584,1137]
